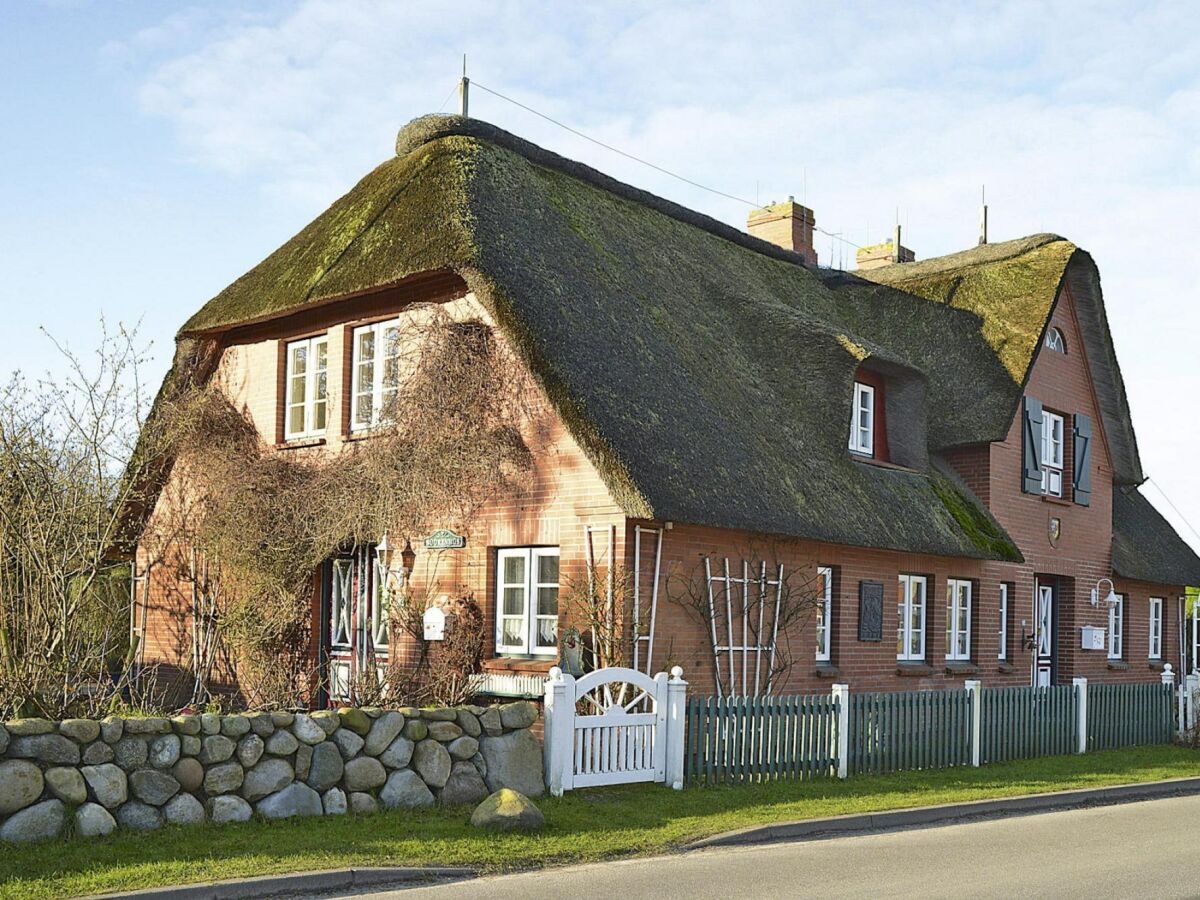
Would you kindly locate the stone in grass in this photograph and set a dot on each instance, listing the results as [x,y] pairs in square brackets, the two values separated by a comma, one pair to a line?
[229,808]
[138,816]
[334,802]
[348,742]
[364,774]
[152,786]
[93,820]
[294,800]
[432,762]
[326,767]
[282,743]
[270,775]
[39,822]
[383,731]
[183,809]
[464,788]
[405,790]
[21,783]
[363,804]
[398,755]
[67,785]
[508,810]
[355,720]
[108,784]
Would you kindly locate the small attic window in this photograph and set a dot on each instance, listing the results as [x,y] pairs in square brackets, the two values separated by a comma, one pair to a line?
[1055,341]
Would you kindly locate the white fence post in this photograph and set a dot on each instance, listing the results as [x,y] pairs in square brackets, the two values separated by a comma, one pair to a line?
[976,688]
[1191,685]
[1081,719]
[676,718]
[559,720]
[1168,674]
[841,695]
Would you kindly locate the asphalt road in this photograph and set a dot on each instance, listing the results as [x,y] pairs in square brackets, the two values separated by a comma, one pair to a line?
[1146,849]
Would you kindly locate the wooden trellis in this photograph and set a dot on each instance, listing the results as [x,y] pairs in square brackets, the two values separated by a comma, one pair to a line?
[648,638]
[747,597]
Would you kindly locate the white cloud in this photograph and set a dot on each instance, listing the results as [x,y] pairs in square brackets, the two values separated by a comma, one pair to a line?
[1081,120]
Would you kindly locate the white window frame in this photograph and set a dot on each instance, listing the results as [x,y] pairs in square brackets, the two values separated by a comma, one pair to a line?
[862,438]
[1156,628]
[910,628]
[1002,654]
[378,389]
[958,619]
[1055,340]
[1116,629]
[316,389]
[824,630]
[528,645]
[1053,453]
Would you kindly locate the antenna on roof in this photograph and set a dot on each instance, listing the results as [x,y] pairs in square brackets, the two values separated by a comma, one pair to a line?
[464,85]
[983,214]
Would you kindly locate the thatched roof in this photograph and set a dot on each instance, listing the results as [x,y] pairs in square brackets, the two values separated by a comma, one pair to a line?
[1146,547]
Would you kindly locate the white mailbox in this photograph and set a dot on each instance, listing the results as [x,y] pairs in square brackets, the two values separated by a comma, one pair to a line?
[1093,638]
[435,624]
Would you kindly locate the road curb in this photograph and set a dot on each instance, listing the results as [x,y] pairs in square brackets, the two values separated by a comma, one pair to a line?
[307,882]
[808,829]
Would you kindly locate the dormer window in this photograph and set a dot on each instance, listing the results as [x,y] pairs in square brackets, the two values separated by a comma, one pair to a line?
[1055,341]
[862,422]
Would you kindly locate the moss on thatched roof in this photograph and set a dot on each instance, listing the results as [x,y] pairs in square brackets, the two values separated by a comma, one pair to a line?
[1146,547]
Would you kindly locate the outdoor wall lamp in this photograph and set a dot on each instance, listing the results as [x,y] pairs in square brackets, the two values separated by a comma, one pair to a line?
[408,558]
[1111,599]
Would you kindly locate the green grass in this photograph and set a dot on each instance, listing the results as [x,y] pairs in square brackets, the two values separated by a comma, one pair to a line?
[582,826]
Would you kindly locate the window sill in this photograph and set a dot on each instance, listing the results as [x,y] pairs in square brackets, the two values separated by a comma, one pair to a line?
[1057,501]
[1118,665]
[827,670]
[519,664]
[913,669]
[300,443]
[1157,665]
[961,667]
[1006,668]
[362,434]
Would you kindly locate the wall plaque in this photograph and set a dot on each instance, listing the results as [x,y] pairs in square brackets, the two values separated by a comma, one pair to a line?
[445,539]
[870,611]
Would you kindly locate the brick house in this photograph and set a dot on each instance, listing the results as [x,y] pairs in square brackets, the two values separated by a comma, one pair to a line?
[942,449]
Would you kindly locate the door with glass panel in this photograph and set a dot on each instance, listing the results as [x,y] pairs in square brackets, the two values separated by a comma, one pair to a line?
[355,634]
[1044,592]
[527,601]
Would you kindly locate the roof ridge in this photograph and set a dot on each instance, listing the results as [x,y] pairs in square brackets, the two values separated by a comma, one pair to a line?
[963,260]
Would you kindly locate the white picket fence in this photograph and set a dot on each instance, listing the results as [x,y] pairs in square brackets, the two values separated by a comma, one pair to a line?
[614,726]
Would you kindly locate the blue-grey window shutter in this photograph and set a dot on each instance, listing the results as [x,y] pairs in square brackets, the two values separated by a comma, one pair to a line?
[1082,475]
[1031,466]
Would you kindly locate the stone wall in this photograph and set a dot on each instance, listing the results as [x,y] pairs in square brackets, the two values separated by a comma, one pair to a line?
[87,778]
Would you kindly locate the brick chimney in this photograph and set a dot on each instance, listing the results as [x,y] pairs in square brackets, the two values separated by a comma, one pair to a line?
[789,225]
[885,254]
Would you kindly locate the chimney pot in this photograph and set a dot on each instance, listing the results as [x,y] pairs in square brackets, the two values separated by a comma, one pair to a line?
[789,225]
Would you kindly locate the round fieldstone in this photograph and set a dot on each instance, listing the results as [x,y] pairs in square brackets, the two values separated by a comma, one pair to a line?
[148,725]
[164,751]
[325,769]
[223,778]
[183,809]
[29,727]
[21,783]
[152,786]
[364,774]
[521,714]
[47,748]
[441,714]
[328,719]
[250,750]
[39,822]
[189,745]
[489,719]
[464,787]
[108,784]
[416,730]
[444,731]
[514,760]
[463,747]
[67,785]
[398,754]
[111,729]
[303,761]
[235,726]
[333,801]
[261,724]
[294,800]
[82,730]
[270,775]
[3,739]
[189,773]
[383,731]
[136,816]
[281,719]
[93,820]
[348,742]
[282,743]
[96,753]
[210,723]
[405,790]
[306,730]
[216,748]
[469,723]
[186,725]
[432,762]
[229,808]
[508,810]
[355,720]
[131,752]
[364,804]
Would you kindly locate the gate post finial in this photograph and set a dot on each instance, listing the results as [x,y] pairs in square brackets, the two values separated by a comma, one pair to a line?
[676,716]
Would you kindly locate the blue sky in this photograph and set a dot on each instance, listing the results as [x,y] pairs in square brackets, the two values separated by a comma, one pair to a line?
[153,152]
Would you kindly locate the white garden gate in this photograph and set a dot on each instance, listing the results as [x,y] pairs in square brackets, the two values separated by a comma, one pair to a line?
[614,726]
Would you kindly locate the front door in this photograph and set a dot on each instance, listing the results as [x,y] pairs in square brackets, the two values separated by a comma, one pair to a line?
[1043,669]
[354,624]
